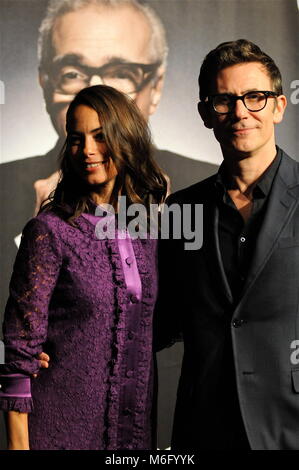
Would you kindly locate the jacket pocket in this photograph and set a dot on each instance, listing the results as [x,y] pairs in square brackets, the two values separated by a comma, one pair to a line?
[288,242]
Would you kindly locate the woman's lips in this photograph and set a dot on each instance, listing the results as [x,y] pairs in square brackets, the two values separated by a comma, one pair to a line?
[93,166]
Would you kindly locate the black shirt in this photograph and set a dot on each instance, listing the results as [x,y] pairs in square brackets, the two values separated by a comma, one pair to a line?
[237,239]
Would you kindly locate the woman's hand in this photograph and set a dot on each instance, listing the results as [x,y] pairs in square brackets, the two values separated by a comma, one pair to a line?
[44,361]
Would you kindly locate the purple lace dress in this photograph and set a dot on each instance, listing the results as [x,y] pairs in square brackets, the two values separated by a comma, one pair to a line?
[88,303]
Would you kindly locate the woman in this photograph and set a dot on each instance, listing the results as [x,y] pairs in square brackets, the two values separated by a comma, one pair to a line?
[87,302]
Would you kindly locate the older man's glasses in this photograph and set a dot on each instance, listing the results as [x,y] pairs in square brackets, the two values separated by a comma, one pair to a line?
[254,101]
[128,78]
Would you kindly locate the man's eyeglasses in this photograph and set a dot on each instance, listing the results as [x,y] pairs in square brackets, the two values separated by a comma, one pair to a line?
[254,101]
[128,78]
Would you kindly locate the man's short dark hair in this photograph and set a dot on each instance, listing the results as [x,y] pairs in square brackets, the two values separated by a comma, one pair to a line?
[233,53]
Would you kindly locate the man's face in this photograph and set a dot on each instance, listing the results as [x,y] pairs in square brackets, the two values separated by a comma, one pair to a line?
[90,38]
[243,132]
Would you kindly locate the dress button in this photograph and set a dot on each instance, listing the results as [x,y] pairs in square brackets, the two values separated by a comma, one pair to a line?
[129,373]
[242,239]
[133,299]
[130,335]
[129,260]
[238,322]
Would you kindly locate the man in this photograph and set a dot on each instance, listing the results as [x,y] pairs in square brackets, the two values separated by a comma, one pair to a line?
[85,42]
[236,299]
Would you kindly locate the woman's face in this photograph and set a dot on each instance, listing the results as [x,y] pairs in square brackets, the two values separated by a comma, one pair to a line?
[88,149]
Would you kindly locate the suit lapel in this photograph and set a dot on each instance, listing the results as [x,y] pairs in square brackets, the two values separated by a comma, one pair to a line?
[282,203]
[220,267]
[212,252]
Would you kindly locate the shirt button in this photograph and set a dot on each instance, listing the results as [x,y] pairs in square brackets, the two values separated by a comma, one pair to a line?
[129,374]
[242,239]
[129,260]
[238,322]
[133,299]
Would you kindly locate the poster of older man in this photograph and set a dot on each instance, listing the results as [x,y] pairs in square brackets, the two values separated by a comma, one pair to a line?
[150,50]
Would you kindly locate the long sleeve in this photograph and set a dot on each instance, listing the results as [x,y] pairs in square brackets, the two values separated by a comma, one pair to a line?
[25,324]
[169,308]
[167,322]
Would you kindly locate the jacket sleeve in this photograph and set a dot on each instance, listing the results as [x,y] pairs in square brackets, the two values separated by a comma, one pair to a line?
[25,324]
[167,328]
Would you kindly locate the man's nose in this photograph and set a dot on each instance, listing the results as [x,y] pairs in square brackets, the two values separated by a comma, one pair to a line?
[96,80]
[240,110]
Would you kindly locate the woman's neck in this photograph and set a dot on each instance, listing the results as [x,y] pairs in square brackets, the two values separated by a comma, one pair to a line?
[103,194]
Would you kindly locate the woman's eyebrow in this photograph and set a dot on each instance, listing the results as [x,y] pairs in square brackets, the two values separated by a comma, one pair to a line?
[74,132]
[97,129]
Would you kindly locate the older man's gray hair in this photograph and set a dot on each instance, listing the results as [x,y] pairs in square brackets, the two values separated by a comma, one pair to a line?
[158,49]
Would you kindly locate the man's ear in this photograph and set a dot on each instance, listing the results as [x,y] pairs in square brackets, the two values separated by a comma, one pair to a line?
[47,94]
[280,106]
[156,90]
[205,114]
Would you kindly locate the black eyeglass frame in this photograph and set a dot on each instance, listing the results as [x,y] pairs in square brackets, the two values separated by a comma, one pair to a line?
[235,98]
[147,69]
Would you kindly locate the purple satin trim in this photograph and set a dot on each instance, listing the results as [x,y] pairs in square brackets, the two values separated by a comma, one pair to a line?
[91,217]
[128,260]
[131,273]
[15,385]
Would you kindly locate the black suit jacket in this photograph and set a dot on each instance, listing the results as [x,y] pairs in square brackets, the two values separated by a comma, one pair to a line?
[195,299]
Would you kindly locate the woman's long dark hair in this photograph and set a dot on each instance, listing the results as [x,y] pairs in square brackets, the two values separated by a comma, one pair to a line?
[128,142]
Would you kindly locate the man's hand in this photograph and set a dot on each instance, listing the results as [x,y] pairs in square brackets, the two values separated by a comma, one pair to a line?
[44,361]
[43,188]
